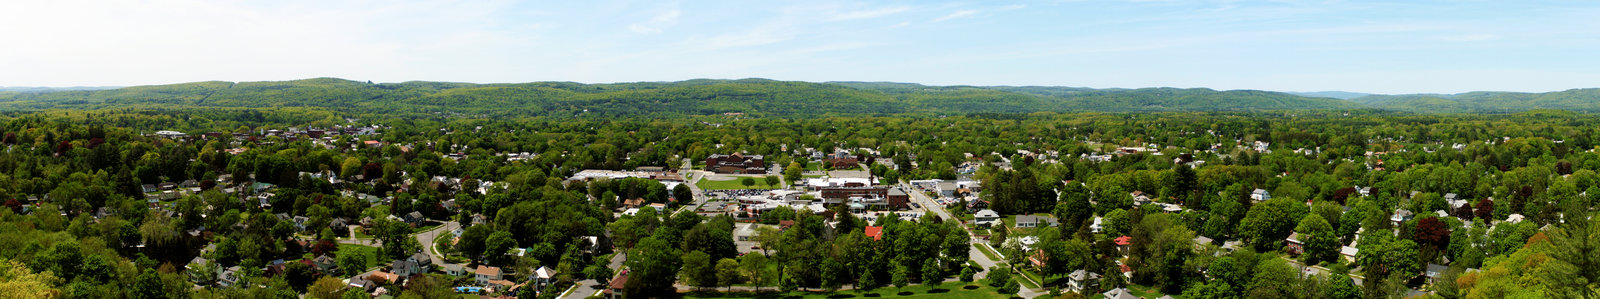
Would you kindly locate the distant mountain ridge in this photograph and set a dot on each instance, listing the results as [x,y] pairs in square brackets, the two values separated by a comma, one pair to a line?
[1342,95]
[1580,100]
[756,97]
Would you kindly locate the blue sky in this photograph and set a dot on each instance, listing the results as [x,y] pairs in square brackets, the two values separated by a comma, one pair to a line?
[1362,46]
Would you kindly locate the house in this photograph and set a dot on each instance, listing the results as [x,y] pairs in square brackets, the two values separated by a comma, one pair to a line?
[1433,271]
[985,218]
[1081,280]
[1348,253]
[614,290]
[876,232]
[229,277]
[1401,216]
[384,277]
[326,264]
[1038,259]
[414,218]
[1119,293]
[486,273]
[1295,245]
[1200,242]
[1029,221]
[1260,195]
[339,225]
[403,268]
[454,269]
[543,276]
[1122,243]
[300,222]
[632,203]
[362,283]
[150,188]
[947,188]
[1139,198]
[977,204]
[421,261]
[197,264]
[1097,225]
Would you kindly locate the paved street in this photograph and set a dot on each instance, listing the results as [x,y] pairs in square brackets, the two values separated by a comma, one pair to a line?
[973,252]
[426,239]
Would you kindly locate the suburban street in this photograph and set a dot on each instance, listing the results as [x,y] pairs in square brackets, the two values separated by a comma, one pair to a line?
[426,239]
[973,252]
[920,198]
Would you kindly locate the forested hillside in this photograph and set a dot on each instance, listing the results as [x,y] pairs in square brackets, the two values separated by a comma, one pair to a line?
[757,97]
[1583,100]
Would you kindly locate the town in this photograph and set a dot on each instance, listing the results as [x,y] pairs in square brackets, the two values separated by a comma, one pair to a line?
[354,210]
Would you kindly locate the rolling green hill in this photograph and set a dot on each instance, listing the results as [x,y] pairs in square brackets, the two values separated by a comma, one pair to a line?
[759,97]
[1581,100]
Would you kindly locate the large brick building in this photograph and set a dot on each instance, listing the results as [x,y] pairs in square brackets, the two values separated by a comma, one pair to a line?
[736,164]
[895,198]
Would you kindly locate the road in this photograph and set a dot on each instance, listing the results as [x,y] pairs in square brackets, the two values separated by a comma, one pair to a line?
[690,177]
[922,199]
[426,239]
[973,252]
[588,287]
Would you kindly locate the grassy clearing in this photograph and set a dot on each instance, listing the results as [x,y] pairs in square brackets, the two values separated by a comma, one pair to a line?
[708,184]
[370,252]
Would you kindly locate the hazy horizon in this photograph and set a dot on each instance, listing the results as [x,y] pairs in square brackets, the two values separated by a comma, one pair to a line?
[1375,47]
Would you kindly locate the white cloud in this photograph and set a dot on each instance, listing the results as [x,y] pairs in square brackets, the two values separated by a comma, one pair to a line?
[956,15]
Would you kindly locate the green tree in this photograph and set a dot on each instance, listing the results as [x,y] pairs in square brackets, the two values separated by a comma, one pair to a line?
[771,181]
[901,276]
[792,172]
[681,192]
[1320,244]
[16,280]
[1343,288]
[698,270]
[999,277]
[728,273]
[497,245]
[747,181]
[1574,268]
[931,274]
[1073,207]
[327,287]
[754,266]
[1270,222]
[966,274]
[654,264]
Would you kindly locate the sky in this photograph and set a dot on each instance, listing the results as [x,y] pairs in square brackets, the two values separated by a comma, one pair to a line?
[1285,45]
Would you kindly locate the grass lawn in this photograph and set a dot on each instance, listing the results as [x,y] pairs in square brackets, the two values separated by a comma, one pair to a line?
[421,229]
[1029,274]
[915,291]
[370,252]
[1147,292]
[708,184]
[989,253]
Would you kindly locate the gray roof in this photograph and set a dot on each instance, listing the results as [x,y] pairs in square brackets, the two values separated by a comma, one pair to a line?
[986,213]
[1120,294]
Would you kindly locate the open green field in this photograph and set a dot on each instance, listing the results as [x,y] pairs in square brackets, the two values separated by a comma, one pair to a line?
[708,184]
[976,291]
